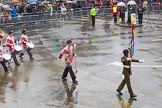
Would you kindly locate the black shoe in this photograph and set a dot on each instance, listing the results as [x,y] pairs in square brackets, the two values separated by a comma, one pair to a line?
[18,64]
[75,81]
[7,71]
[120,93]
[31,58]
[132,99]
[20,57]
[133,95]
[64,79]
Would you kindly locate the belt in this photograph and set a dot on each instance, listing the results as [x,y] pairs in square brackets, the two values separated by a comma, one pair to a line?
[126,67]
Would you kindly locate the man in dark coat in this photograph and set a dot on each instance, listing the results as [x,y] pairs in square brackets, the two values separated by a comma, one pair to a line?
[122,14]
[140,11]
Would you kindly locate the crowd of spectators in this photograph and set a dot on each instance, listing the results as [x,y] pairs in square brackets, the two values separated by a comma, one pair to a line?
[33,8]
[20,9]
[17,9]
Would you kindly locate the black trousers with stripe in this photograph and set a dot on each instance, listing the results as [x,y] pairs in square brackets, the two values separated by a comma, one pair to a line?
[69,69]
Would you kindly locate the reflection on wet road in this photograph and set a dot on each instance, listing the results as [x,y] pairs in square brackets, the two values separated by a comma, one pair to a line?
[70,99]
[126,104]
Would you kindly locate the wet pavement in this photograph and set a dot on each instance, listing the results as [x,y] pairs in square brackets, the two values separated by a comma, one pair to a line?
[38,84]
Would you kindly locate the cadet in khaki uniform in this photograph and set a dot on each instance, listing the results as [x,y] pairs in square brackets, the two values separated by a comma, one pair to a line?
[127,72]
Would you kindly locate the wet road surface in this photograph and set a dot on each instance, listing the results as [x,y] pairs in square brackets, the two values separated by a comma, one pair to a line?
[38,84]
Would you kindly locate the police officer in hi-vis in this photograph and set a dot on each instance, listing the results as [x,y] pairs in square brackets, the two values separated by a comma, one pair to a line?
[93,14]
[115,12]
[69,54]
[127,72]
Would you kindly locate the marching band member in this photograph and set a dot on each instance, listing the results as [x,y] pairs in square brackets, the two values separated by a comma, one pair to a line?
[2,60]
[68,52]
[10,43]
[24,40]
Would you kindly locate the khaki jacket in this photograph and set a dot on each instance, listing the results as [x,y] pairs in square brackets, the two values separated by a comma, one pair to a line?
[127,70]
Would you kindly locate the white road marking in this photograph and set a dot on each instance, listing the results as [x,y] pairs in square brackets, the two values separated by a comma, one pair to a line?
[142,66]
[156,40]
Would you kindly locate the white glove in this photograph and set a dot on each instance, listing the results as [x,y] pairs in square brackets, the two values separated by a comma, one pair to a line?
[97,9]
[12,46]
[141,61]
[122,76]
[74,46]
[75,55]
[126,66]
[128,59]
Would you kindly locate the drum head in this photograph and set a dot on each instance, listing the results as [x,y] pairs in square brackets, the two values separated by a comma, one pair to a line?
[30,45]
[18,48]
[7,56]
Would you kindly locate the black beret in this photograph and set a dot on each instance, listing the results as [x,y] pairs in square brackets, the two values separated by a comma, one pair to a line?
[125,51]
[10,32]
[69,41]
[23,31]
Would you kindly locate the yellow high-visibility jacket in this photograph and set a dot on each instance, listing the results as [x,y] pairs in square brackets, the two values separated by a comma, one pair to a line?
[93,12]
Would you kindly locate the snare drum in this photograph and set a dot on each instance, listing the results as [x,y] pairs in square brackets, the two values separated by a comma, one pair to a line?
[18,49]
[30,45]
[6,56]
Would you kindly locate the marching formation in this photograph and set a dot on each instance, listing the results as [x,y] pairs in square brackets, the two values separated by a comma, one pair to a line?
[97,81]
[13,48]
[19,47]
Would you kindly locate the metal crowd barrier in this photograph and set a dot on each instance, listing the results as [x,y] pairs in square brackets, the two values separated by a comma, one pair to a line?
[43,17]
[77,13]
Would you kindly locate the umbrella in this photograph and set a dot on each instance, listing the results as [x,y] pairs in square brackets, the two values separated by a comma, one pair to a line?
[73,2]
[131,3]
[18,4]
[15,1]
[8,9]
[84,0]
[45,2]
[8,2]
[60,0]
[34,3]
[40,4]
[5,6]
[121,4]
[1,5]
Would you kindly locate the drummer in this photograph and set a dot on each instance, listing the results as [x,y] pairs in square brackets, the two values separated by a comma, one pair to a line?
[2,60]
[24,40]
[10,43]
